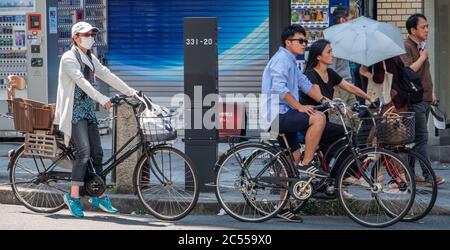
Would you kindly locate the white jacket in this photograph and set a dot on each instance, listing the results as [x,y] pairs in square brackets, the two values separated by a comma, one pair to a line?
[70,75]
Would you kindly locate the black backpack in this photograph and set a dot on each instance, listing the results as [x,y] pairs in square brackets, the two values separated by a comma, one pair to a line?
[409,83]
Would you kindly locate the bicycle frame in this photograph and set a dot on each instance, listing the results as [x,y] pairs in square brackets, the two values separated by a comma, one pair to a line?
[351,142]
[355,149]
[113,161]
[272,180]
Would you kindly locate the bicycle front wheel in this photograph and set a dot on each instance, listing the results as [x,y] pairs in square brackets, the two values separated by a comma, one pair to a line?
[390,197]
[166,183]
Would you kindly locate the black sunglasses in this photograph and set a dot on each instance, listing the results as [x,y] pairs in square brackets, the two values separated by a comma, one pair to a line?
[300,41]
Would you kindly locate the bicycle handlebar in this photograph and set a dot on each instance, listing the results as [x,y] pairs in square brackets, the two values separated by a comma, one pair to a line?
[117,99]
[330,105]
[323,107]
[355,107]
[377,105]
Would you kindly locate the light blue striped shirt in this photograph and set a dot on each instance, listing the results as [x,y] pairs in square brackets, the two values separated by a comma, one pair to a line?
[281,76]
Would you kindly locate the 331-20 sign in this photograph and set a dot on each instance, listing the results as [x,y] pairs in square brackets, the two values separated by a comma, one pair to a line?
[196,41]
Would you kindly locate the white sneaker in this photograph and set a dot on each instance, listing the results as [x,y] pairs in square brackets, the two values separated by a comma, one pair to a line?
[355,181]
[347,195]
[222,212]
[393,188]
[394,191]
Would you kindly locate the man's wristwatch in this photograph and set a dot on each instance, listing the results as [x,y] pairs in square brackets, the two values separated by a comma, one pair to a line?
[322,99]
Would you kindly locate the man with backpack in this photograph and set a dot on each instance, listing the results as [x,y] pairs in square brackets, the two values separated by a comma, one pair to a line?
[416,58]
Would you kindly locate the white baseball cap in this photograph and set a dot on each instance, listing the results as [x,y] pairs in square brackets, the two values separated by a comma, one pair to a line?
[82,27]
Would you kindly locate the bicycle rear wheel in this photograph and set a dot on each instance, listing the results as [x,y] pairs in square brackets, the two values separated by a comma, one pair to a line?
[392,195]
[166,183]
[40,183]
[240,193]
[426,185]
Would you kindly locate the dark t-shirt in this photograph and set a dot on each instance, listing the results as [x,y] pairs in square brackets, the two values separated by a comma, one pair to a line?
[327,89]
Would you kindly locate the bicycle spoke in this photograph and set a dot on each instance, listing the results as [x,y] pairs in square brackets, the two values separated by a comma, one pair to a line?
[239,192]
[31,186]
[167,186]
[387,203]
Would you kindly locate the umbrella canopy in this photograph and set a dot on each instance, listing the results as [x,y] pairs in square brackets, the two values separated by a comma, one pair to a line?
[365,41]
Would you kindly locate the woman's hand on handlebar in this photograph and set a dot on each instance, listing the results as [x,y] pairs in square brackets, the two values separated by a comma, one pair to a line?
[107,105]
[375,103]
[117,99]
[325,100]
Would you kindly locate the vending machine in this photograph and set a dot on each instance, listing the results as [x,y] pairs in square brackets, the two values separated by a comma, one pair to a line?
[91,11]
[26,27]
[315,16]
[95,13]
[33,36]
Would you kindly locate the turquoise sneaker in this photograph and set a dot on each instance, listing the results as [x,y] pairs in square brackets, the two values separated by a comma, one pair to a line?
[75,206]
[103,204]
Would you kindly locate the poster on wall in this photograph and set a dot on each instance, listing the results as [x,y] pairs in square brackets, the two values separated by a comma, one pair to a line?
[52,20]
[17,7]
[19,38]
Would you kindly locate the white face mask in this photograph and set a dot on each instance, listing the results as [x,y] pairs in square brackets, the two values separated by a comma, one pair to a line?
[87,42]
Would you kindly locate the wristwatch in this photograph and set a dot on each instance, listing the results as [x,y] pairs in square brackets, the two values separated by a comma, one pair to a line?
[322,99]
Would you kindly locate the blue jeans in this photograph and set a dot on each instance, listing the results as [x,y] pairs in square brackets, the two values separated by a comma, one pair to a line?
[422,110]
[86,141]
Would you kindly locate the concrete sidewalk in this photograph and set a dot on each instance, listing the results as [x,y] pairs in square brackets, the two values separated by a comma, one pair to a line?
[207,203]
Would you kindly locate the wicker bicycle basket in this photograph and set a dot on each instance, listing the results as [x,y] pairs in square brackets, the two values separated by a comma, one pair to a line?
[395,129]
[35,119]
[31,115]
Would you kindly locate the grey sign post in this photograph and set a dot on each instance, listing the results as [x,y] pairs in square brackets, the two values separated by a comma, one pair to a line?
[200,80]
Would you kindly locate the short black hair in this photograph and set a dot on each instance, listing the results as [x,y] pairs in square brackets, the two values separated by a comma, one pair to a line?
[340,12]
[413,21]
[290,31]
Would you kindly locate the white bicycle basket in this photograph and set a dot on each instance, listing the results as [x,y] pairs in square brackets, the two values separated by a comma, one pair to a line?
[156,122]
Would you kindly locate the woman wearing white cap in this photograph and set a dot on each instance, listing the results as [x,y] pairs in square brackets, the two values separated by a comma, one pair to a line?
[75,106]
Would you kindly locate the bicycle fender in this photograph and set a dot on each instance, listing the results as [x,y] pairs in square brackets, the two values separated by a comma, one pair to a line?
[12,154]
[225,155]
[336,149]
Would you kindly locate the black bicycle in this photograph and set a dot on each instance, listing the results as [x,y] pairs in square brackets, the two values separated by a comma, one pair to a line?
[426,183]
[256,179]
[396,137]
[164,179]
[394,133]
